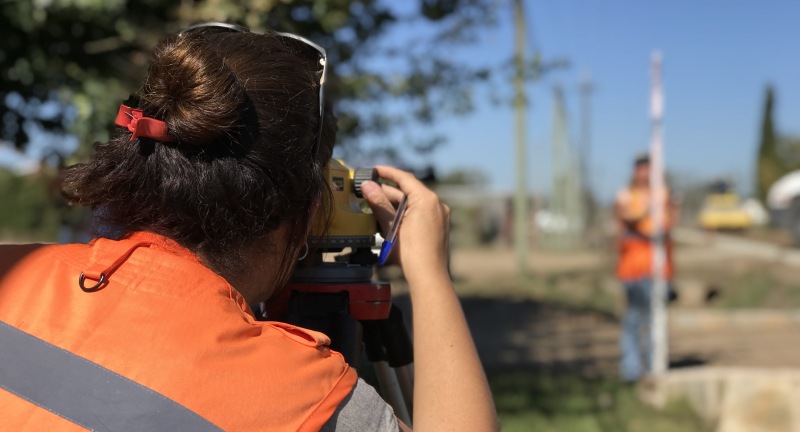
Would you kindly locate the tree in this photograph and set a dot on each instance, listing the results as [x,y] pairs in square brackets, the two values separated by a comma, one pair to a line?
[778,154]
[66,64]
[789,151]
[769,164]
[27,211]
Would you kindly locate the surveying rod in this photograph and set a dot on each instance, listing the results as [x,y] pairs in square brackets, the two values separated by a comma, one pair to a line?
[658,324]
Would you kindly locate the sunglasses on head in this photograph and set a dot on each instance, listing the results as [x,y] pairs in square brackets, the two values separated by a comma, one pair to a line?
[323,61]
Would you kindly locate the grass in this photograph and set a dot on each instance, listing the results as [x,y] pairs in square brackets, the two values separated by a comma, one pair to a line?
[751,290]
[752,287]
[528,401]
[566,402]
[597,290]
[578,290]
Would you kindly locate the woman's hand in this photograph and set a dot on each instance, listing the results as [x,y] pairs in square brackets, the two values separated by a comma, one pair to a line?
[450,389]
[424,229]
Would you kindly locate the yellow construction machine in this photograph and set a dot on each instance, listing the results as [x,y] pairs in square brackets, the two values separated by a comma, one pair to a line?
[722,209]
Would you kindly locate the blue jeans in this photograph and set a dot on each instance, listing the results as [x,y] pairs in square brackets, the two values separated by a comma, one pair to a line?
[635,347]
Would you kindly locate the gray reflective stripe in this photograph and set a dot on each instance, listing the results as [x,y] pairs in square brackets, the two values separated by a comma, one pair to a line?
[83,392]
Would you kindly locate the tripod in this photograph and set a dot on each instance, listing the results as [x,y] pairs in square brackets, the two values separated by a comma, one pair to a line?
[341,300]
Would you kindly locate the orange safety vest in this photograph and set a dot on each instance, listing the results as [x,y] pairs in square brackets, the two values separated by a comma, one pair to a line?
[169,323]
[635,247]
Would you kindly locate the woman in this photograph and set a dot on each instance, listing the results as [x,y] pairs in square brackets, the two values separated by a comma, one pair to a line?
[212,181]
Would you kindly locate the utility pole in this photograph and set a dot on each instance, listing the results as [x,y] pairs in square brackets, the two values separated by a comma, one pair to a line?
[658,326]
[587,194]
[566,200]
[520,103]
[561,172]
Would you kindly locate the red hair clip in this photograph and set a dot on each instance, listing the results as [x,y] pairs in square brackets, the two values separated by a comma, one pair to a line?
[141,126]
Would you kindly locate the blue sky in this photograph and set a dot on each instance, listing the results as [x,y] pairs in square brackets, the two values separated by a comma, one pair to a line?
[718,58]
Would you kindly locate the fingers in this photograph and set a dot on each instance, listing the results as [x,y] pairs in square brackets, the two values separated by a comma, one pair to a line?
[395,195]
[405,180]
[380,202]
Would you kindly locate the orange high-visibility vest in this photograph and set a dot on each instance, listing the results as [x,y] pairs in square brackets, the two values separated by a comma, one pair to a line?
[636,248]
[167,322]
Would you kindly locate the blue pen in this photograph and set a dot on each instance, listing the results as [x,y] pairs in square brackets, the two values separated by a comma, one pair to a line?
[391,237]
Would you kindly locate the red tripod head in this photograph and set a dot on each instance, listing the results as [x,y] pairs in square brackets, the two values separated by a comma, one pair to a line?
[367,300]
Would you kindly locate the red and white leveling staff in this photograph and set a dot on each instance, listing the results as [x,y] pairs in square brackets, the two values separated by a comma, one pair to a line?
[658,325]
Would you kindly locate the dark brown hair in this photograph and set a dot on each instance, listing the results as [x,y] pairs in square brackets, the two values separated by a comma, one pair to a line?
[244,109]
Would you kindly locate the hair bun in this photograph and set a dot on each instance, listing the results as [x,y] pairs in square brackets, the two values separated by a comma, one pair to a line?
[192,90]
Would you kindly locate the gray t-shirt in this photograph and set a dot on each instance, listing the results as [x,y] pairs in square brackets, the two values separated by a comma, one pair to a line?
[362,410]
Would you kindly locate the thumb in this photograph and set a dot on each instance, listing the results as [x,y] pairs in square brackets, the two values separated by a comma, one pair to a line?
[381,206]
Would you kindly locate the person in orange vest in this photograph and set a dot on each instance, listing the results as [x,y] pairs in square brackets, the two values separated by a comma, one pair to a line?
[206,193]
[635,266]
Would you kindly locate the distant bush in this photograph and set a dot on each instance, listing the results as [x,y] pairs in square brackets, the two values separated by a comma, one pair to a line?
[31,207]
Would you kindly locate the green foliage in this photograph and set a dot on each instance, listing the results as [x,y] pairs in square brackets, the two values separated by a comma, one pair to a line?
[777,155]
[531,401]
[789,151]
[753,287]
[82,53]
[748,291]
[27,210]
[464,177]
[769,164]
[90,54]
[65,65]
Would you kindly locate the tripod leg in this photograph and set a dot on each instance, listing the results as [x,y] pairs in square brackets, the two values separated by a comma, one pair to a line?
[392,391]
[405,378]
